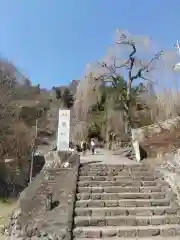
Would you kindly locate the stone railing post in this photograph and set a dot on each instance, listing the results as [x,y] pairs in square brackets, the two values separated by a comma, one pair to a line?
[48,201]
[135,144]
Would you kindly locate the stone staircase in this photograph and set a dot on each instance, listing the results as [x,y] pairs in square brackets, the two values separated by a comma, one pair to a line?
[124,202]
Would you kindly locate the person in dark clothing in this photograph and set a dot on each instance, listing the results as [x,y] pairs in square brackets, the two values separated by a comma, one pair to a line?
[78,148]
[84,147]
[93,146]
[110,140]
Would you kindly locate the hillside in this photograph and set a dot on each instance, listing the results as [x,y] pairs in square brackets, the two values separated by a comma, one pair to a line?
[29,118]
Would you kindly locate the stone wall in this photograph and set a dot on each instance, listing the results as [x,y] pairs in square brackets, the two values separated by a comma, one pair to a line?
[32,220]
[167,163]
[155,138]
[141,134]
[54,159]
[168,166]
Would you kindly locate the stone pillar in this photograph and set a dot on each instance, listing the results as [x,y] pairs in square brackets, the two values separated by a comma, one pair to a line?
[63,130]
[135,144]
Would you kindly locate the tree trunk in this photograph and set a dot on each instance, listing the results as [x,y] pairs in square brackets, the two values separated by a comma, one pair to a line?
[129,126]
[128,109]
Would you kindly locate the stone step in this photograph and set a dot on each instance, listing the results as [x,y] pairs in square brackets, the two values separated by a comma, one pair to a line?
[120,203]
[118,196]
[137,211]
[46,187]
[113,166]
[137,238]
[106,202]
[55,174]
[81,221]
[136,171]
[50,181]
[112,173]
[113,169]
[122,183]
[117,189]
[114,176]
[118,178]
[127,231]
[55,170]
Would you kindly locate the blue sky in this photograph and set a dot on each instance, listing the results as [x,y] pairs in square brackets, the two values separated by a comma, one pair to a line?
[52,41]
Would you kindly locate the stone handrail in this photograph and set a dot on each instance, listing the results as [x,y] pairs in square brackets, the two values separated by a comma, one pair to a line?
[30,214]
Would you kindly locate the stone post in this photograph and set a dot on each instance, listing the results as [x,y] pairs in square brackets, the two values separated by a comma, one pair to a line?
[135,144]
[48,201]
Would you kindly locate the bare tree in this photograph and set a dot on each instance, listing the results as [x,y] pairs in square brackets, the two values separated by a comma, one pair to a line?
[10,82]
[133,67]
[86,96]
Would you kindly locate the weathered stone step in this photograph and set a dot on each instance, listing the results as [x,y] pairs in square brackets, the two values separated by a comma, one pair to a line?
[81,221]
[54,170]
[122,203]
[119,203]
[127,231]
[123,175]
[117,189]
[111,173]
[113,168]
[56,174]
[49,181]
[121,183]
[107,166]
[137,238]
[137,211]
[118,178]
[118,196]
[118,169]
[46,187]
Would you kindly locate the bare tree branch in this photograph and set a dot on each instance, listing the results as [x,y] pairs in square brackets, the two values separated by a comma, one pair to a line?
[111,70]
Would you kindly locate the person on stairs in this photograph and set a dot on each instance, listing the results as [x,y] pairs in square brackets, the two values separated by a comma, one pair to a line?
[84,147]
[92,146]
